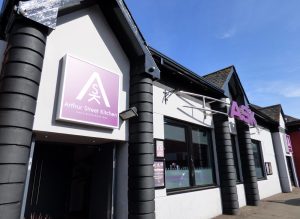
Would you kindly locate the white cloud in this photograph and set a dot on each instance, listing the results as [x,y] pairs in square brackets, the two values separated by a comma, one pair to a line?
[228,33]
[292,92]
[282,88]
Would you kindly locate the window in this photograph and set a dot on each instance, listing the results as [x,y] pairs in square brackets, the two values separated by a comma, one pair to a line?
[236,157]
[258,160]
[202,157]
[188,156]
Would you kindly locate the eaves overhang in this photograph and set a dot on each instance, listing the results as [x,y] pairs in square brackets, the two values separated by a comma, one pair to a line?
[294,123]
[186,73]
[265,120]
[264,117]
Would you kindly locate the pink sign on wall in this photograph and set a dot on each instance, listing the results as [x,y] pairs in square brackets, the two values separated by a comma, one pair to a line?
[89,94]
[289,143]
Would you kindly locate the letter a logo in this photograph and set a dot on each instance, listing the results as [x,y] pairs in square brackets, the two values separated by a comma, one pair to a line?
[95,84]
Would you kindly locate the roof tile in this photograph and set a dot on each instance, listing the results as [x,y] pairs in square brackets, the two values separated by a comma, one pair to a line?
[219,77]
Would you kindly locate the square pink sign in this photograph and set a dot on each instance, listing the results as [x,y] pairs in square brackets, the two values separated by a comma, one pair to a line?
[88,94]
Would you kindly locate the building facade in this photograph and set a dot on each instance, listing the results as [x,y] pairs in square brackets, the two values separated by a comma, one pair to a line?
[96,124]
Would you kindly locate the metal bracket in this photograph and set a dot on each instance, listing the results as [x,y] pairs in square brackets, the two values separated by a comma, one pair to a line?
[205,110]
[205,99]
[167,94]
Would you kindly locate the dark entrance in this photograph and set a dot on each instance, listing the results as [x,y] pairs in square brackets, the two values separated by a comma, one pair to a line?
[290,168]
[70,182]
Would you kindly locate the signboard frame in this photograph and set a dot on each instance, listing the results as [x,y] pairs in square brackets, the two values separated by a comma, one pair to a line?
[159,152]
[162,162]
[268,167]
[62,90]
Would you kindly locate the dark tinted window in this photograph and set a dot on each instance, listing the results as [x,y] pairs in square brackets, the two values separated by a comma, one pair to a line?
[258,160]
[188,155]
[236,157]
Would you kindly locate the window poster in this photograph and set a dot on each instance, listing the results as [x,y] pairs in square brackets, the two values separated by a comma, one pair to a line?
[269,170]
[159,148]
[159,174]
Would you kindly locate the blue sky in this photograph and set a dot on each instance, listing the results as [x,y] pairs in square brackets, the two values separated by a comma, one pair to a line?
[260,38]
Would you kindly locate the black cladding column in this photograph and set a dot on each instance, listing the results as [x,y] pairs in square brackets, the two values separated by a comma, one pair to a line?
[19,87]
[227,173]
[248,165]
[141,149]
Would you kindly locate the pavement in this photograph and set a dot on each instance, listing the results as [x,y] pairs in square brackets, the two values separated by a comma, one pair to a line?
[283,206]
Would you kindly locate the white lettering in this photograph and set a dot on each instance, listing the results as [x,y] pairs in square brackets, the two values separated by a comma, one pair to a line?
[94,94]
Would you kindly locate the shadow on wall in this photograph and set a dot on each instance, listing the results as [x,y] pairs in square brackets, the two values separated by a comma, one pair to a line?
[2,51]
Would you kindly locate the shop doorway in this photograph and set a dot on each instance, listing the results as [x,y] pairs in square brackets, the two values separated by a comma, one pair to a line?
[290,169]
[70,182]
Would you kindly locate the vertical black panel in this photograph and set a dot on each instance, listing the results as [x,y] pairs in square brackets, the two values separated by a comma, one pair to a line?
[19,85]
[227,172]
[248,165]
[141,149]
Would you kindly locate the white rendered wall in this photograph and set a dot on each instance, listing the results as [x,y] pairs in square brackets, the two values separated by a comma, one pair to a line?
[232,125]
[281,121]
[241,195]
[271,185]
[189,205]
[174,107]
[2,50]
[86,35]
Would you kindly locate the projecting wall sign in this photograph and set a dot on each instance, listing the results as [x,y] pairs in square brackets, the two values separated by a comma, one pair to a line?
[89,94]
[242,113]
[289,143]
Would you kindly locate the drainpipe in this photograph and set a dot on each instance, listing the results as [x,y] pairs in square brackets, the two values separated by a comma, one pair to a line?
[19,85]
[227,172]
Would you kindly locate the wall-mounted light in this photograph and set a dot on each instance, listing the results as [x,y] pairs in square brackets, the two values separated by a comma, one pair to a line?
[129,113]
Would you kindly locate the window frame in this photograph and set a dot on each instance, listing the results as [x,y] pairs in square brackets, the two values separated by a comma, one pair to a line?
[261,158]
[188,127]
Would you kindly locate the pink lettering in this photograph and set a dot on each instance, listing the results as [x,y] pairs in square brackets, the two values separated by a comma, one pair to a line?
[234,110]
[252,120]
[242,113]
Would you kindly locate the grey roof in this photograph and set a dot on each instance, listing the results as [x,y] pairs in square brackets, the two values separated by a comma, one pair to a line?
[271,111]
[219,78]
[291,119]
[256,106]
